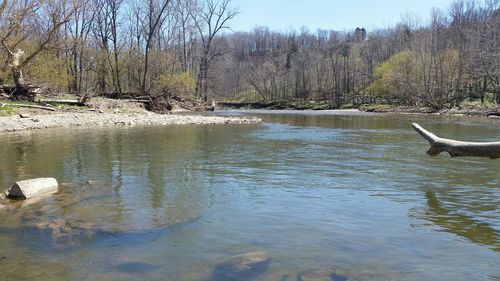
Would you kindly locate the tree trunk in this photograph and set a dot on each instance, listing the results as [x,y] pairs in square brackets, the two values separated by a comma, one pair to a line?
[458,148]
[17,76]
[31,188]
[22,91]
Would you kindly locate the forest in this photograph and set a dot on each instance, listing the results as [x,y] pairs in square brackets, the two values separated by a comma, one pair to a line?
[187,48]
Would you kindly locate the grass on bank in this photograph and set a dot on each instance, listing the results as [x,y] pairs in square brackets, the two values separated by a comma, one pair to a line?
[6,108]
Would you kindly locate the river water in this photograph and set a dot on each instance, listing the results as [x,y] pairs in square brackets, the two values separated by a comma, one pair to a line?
[314,190]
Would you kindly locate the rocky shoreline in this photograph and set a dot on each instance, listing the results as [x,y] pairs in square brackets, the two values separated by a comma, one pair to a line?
[91,119]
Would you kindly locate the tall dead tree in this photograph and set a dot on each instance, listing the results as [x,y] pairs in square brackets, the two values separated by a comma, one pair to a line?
[154,15]
[186,31]
[210,19]
[77,29]
[114,8]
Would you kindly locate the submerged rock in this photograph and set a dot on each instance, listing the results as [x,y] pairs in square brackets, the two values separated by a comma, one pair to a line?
[370,277]
[136,267]
[337,274]
[26,189]
[326,274]
[67,231]
[285,277]
[246,266]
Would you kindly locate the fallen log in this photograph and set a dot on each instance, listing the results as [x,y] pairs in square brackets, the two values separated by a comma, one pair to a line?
[494,112]
[69,102]
[31,188]
[29,106]
[137,100]
[458,148]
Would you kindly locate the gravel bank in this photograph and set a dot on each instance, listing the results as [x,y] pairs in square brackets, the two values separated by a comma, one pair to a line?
[33,122]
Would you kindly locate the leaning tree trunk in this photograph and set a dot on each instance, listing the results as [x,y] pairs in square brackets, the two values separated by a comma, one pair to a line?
[21,91]
[458,148]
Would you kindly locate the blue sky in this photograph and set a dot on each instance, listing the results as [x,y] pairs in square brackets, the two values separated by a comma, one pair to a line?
[281,15]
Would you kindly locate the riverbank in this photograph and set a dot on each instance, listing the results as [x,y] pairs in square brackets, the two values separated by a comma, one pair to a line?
[470,110]
[464,110]
[90,119]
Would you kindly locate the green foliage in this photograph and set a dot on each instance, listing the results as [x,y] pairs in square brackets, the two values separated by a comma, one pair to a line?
[47,68]
[5,76]
[393,77]
[6,109]
[178,84]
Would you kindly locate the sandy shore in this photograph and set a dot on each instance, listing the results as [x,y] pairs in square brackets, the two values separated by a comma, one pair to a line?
[88,119]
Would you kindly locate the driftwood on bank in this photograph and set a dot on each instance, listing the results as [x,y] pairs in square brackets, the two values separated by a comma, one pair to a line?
[458,148]
[164,103]
[29,106]
[494,112]
[69,102]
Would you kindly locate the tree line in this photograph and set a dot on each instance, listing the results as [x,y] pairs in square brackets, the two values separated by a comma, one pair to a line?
[112,46]
[186,48]
[454,57]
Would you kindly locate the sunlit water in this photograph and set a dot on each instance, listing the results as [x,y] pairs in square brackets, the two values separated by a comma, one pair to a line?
[312,189]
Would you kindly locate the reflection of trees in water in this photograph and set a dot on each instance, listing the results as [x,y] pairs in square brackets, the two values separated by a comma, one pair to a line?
[139,178]
[459,224]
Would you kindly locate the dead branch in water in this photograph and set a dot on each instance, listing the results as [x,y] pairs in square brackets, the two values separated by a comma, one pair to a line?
[458,148]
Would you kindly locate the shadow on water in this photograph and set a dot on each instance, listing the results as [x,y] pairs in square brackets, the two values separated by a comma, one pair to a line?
[459,224]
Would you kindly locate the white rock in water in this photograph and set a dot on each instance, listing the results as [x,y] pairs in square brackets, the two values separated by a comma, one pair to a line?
[26,189]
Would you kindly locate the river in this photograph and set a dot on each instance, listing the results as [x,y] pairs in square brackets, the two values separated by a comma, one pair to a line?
[313,189]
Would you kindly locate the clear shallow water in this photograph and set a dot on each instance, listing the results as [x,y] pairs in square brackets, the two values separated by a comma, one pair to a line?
[312,189]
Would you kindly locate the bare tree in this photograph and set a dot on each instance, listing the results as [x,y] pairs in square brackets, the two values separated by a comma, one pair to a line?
[105,30]
[114,8]
[186,29]
[154,16]
[77,29]
[212,17]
